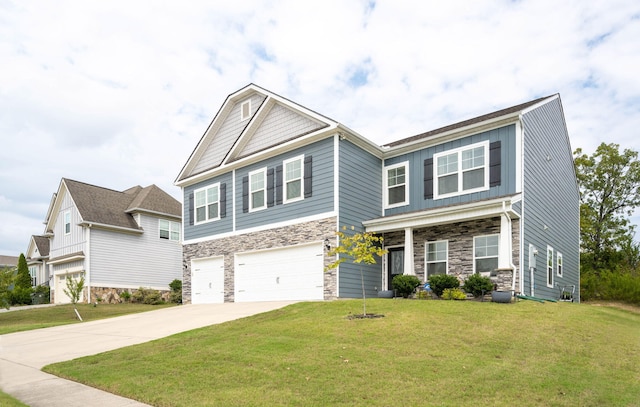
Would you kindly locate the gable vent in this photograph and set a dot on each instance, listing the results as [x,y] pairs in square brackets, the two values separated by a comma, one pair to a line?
[245,110]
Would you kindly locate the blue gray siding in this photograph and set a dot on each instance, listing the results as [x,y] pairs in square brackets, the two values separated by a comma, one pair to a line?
[551,211]
[360,197]
[506,135]
[222,225]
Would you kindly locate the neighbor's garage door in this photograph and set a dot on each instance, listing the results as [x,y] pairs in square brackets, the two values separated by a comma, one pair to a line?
[290,273]
[207,280]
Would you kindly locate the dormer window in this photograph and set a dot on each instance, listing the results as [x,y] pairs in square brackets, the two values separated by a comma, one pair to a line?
[245,110]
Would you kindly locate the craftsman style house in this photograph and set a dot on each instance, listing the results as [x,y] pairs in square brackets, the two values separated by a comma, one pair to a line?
[270,182]
[116,240]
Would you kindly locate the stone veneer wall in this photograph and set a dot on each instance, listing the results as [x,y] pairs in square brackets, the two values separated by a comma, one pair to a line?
[460,238]
[109,295]
[267,239]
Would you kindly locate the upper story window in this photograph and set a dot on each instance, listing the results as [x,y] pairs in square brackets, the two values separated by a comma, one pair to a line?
[436,257]
[207,203]
[169,230]
[485,254]
[257,189]
[559,264]
[396,178]
[549,266]
[293,173]
[67,222]
[462,171]
[245,110]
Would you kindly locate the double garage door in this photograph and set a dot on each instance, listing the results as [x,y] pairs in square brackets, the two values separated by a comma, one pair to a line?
[289,273]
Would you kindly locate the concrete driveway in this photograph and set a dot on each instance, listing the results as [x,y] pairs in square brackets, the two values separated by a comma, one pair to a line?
[23,354]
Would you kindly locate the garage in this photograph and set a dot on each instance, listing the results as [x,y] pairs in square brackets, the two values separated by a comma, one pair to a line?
[207,280]
[60,285]
[288,273]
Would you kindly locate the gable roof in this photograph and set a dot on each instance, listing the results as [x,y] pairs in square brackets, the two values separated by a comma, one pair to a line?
[42,244]
[109,208]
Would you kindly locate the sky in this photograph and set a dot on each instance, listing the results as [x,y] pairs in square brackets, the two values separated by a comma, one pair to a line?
[118,93]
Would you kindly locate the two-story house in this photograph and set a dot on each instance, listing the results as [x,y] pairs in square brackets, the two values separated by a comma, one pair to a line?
[270,182]
[37,259]
[117,240]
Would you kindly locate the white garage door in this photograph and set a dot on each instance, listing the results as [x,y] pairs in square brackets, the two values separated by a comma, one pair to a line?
[60,284]
[207,280]
[290,273]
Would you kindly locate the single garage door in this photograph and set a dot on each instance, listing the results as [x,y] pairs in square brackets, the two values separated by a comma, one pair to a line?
[207,280]
[289,273]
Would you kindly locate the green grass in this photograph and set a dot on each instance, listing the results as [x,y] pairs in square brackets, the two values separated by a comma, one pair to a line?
[35,318]
[442,353]
[8,401]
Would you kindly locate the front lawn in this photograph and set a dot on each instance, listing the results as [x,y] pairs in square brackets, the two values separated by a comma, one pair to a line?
[421,353]
[35,318]
[8,401]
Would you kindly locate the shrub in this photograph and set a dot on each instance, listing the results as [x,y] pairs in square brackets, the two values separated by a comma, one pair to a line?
[126,296]
[176,291]
[440,282]
[477,285]
[21,295]
[453,294]
[41,295]
[147,296]
[610,286]
[405,284]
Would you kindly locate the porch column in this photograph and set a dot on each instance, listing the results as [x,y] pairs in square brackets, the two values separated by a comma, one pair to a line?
[504,249]
[408,252]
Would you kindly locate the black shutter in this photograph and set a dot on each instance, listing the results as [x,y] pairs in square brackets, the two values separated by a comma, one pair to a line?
[494,163]
[223,200]
[245,194]
[308,166]
[191,209]
[270,186]
[279,185]
[428,178]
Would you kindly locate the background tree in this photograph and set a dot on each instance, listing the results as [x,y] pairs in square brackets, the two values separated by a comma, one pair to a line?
[609,192]
[6,280]
[22,289]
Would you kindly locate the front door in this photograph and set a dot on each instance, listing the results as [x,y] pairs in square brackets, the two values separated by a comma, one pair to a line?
[395,264]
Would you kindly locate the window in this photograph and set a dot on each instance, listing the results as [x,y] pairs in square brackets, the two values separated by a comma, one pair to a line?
[293,179]
[257,190]
[397,185]
[67,222]
[207,203]
[169,230]
[461,171]
[245,110]
[436,258]
[33,271]
[549,266]
[559,264]
[485,254]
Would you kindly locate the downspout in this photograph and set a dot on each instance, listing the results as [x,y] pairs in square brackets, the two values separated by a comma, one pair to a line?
[513,266]
[87,267]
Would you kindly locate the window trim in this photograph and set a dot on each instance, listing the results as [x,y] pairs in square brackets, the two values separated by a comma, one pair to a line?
[426,257]
[206,204]
[66,214]
[497,256]
[549,267]
[173,227]
[242,105]
[385,176]
[262,171]
[285,181]
[559,264]
[460,172]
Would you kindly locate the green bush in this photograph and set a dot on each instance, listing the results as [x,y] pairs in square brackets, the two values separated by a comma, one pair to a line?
[453,294]
[21,295]
[405,284]
[126,296]
[610,286]
[147,296]
[176,291]
[41,295]
[440,282]
[477,285]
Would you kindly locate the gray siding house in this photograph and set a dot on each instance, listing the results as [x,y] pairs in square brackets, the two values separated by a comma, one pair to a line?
[119,241]
[271,182]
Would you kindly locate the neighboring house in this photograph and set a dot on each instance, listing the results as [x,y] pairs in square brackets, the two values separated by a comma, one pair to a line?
[270,182]
[117,240]
[37,257]
[8,261]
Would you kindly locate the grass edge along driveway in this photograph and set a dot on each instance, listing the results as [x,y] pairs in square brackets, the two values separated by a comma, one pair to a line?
[420,353]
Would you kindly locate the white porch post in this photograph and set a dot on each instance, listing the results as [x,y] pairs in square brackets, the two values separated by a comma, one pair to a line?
[504,250]
[408,252]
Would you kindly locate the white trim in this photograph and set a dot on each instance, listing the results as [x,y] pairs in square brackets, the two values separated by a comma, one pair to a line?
[497,257]
[460,172]
[263,227]
[206,204]
[519,155]
[559,265]
[233,201]
[426,257]
[385,184]
[548,274]
[262,171]
[169,229]
[247,103]
[65,223]
[299,158]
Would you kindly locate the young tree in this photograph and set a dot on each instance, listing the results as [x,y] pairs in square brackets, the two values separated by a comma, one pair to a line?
[6,280]
[609,192]
[22,288]
[359,248]
[74,289]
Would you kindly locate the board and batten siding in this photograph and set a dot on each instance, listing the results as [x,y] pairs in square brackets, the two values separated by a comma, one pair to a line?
[360,198]
[211,228]
[63,244]
[551,202]
[320,202]
[227,135]
[506,135]
[134,260]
